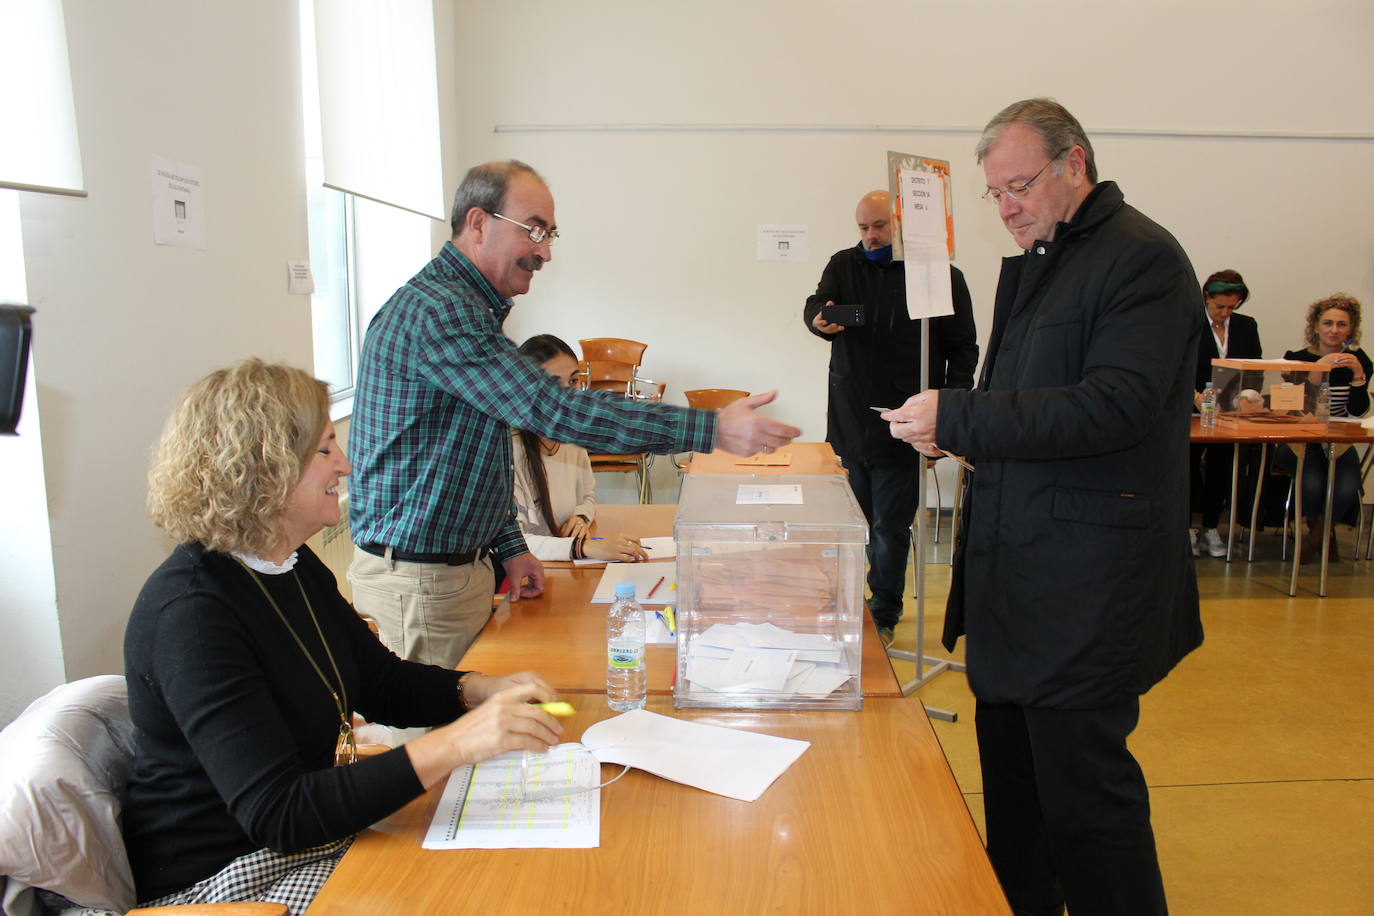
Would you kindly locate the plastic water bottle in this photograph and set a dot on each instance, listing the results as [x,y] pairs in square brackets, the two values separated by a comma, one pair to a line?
[1323,406]
[626,680]
[1209,406]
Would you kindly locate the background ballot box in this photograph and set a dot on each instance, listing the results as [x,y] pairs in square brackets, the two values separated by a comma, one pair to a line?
[770,574]
[1260,394]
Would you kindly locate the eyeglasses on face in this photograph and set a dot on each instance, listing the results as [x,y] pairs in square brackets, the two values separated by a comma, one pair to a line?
[537,233]
[994,195]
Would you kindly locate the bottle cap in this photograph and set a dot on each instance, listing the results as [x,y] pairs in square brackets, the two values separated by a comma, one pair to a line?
[624,589]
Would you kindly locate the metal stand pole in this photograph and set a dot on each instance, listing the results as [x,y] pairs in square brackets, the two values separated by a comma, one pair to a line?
[938,666]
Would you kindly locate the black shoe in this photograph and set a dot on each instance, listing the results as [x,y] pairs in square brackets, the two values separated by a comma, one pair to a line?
[886,635]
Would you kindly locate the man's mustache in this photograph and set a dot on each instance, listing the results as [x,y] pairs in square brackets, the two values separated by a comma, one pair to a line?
[531,262]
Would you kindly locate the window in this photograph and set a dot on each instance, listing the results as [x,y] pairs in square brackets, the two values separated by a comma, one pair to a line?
[360,250]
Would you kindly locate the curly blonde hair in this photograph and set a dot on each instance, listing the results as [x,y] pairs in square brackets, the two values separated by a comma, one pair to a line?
[232,451]
[1346,303]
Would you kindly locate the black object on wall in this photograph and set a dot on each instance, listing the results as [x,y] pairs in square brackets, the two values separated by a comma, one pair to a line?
[16,333]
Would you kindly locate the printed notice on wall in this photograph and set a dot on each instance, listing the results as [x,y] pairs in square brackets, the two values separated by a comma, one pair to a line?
[783,243]
[178,204]
[925,245]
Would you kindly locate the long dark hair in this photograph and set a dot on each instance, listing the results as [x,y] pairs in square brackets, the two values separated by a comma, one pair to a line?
[541,348]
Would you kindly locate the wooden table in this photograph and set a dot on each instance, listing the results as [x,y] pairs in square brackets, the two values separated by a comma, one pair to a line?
[563,635]
[807,458]
[1333,434]
[868,820]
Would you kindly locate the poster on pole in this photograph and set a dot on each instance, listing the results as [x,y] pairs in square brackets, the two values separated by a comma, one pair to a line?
[921,212]
[896,163]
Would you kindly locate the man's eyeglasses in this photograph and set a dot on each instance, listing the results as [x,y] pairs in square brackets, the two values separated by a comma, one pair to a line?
[994,195]
[537,233]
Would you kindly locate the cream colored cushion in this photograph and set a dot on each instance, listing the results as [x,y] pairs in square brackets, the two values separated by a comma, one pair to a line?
[64,764]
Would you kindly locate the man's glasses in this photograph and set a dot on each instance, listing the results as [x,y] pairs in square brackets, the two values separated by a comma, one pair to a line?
[538,233]
[994,195]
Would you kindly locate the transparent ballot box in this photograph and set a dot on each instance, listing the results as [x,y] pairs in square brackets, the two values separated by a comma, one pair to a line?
[1256,395]
[770,574]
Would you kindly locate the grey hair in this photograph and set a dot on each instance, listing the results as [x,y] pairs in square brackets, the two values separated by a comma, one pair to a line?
[1058,130]
[484,187]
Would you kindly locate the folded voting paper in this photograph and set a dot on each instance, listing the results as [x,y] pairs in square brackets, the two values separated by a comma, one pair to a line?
[763,658]
[726,761]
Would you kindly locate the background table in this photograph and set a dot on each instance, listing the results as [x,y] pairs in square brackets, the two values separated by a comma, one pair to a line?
[563,635]
[1333,434]
[868,820]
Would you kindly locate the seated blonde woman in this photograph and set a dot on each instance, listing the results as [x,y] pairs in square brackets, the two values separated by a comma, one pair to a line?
[555,490]
[245,664]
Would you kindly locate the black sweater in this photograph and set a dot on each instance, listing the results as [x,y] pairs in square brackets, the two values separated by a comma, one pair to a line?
[1357,401]
[235,730]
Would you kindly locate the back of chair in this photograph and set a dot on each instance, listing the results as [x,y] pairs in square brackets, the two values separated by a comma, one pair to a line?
[605,375]
[64,764]
[713,398]
[613,349]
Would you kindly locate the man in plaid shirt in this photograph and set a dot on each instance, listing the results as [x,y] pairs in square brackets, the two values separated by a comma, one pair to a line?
[439,387]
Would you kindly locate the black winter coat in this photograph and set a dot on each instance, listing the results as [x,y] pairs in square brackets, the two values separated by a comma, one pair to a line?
[877,364]
[1073,580]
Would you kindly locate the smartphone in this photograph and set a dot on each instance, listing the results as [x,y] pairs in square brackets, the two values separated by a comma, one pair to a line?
[848,315]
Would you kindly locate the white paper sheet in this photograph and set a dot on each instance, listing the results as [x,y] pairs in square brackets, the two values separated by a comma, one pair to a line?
[482,808]
[769,494]
[646,578]
[925,244]
[726,761]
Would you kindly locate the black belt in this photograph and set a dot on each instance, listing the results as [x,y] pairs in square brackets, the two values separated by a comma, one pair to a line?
[461,558]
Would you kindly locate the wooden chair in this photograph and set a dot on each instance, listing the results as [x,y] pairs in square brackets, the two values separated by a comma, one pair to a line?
[713,398]
[67,761]
[622,377]
[707,399]
[613,350]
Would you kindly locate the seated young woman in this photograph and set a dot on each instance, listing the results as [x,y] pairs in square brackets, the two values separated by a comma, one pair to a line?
[245,664]
[555,490]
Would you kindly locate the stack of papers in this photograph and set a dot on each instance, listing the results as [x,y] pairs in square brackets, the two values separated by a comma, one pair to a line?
[761,658]
[484,807]
[553,800]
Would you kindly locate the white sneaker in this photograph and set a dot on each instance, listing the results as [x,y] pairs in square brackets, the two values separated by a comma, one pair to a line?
[1192,537]
[1213,542]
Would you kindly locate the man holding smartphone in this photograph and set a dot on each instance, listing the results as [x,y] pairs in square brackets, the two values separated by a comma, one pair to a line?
[875,362]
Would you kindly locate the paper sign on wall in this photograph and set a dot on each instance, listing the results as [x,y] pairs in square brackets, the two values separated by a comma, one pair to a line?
[178,204]
[783,243]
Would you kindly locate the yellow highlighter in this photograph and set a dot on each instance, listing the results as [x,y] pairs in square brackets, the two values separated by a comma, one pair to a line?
[560,709]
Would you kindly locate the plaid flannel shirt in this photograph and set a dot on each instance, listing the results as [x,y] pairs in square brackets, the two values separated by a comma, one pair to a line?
[439,388]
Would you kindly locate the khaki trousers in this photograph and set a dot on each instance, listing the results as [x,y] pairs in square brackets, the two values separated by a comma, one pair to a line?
[425,612]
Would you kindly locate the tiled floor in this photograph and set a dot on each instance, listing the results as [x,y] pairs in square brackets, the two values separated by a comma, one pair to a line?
[1258,748]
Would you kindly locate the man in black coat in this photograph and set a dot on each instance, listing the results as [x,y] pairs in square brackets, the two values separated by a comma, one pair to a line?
[1073,581]
[876,364]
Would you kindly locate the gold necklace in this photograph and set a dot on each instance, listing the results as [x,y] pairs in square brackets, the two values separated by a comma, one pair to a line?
[346,748]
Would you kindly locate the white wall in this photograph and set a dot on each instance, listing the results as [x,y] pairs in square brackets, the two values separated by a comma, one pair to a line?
[659,224]
[659,221]
[123,325]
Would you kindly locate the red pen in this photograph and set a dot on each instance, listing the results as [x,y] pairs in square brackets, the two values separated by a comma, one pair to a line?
[655,588]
